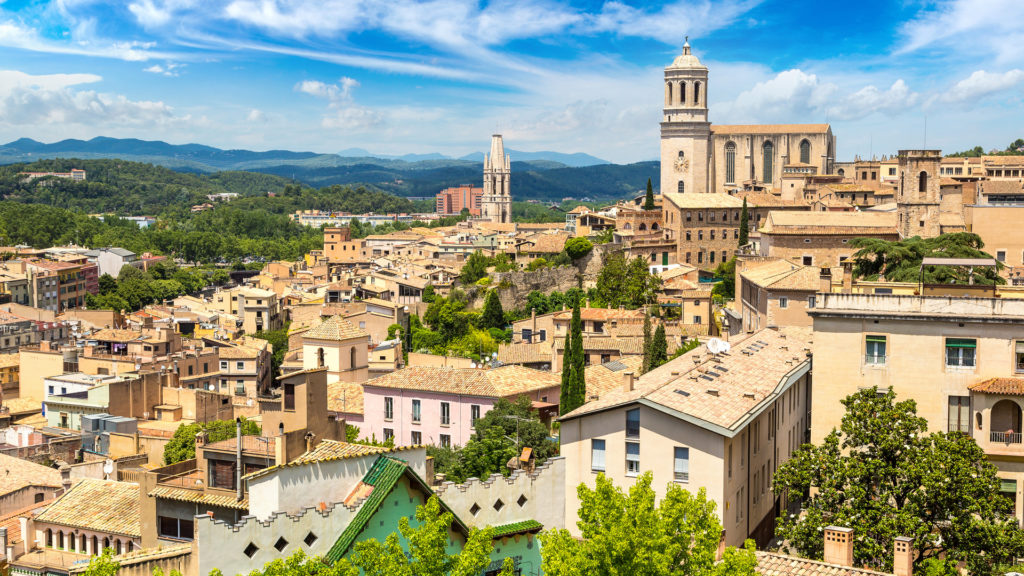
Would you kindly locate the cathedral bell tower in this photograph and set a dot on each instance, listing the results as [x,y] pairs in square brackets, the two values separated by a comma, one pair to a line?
[685,129]
[496,203]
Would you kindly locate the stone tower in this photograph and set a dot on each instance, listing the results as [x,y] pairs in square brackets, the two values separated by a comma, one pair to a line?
[685,130]
[496,203]
[917,193]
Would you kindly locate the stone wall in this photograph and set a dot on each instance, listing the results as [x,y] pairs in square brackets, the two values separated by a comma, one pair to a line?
[537,495]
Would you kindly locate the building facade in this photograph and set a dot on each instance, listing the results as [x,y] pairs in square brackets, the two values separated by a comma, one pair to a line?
[496,202]
[454,200]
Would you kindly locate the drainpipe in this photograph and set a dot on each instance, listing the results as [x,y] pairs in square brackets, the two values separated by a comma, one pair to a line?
[238,461]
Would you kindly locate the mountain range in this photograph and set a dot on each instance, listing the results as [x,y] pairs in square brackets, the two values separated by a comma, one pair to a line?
[536,175]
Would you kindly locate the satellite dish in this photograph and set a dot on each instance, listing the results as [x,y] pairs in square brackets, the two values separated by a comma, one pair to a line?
[472,364]
[717,346]
[108,467]
[211,387]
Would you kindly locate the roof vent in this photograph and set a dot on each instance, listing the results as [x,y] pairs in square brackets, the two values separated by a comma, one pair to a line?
[749,395]
[682,392]
[674,373]
[713,391]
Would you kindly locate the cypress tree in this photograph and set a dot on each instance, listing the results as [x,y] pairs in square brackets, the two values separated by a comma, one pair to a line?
[647,345]
[574,388]
[493,315]
[659,347]
[744,226]
[565,395]
[649,197]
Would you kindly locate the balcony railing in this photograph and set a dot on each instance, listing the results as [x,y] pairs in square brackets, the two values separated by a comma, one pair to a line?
[1005,437]
[874,360]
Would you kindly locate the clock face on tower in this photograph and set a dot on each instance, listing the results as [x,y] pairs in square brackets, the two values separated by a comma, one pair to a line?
[682,164]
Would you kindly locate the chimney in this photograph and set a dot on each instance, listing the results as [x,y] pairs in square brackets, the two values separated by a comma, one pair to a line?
[628,382]
[533,323]
[825,280]
[238,459]
[309,441]
[65,477]
[839,546]
[44,345]
[847,276]
[903,559]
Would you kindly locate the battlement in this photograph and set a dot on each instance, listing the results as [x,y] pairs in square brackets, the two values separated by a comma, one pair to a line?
[498,500]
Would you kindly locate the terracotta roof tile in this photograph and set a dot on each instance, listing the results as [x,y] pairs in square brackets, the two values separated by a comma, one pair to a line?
[100,505]
[772,564]
[769,128]
[16,474]
[114,335]
[335,328]
[525,353]
[505,381]
[783,275]
[199,497]
[603,378]
[1005,386]
[701,201]
[802,223]
[345,397]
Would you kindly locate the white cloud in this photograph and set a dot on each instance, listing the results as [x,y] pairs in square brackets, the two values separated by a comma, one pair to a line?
[342,91]
[980,84]
[169,69]
[83,42]
[155,13]
[27,100]
[342,111]
[256,115]
[798,96]
[671,22]
[962,27]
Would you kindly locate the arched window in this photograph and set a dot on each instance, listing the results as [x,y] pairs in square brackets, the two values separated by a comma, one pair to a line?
[106,543]
[730,162]
[682,93]
[96,545]
[668,94]
[82,544]
[681,187]
[319,357]
[654,226]
[117,547]
[49,537]
[805,151]
[768,155]
[60,540]
[922,183]
[1006,416]
[352,358]
[842,172]
[696,93]
[642,227]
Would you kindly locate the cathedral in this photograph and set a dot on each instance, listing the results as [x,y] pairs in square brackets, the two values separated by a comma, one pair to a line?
[496,203]
[697,156]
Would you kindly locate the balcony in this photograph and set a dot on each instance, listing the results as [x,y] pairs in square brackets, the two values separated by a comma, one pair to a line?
[1005,438]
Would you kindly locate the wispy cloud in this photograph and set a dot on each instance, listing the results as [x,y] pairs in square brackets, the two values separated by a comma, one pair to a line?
[169,69]
[967,27]
[981,84]
[342,111]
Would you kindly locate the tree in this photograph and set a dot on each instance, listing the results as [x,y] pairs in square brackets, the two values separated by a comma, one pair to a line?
[646,366]
[103,565]
[279,342]
[744,224]
[474,268]
[427,544]
[884,476]
[574,387]
[649,197]
[628,283]
[298,564]
[428,294]
[900,261]
[726,288]
[107,284]
[627,534]
[494,315]
[182,446]
[659,347]
[578,247]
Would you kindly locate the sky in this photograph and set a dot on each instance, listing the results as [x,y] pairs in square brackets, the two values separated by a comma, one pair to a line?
[411,76]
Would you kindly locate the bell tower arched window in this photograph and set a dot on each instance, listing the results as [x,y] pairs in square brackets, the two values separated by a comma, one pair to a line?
[682,94]
[922,184]
[730,162]
[805,152]
[668,94]
[768,155]
[696,93]
[681,187]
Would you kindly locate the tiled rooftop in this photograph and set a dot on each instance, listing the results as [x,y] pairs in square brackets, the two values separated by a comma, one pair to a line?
[345,397]
[16,474]
[1005,386]
[769,128]
[783,275]
[502,382]
[720,392]
[100,505]
[834,223]
[772,564]
[335,328]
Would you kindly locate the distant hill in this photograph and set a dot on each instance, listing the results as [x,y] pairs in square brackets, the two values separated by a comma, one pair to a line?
[536,175]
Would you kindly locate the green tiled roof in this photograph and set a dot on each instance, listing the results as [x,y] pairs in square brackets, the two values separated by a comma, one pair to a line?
[517,528]
[383,476]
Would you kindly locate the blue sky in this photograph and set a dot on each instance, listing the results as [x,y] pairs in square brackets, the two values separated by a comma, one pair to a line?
[400,76]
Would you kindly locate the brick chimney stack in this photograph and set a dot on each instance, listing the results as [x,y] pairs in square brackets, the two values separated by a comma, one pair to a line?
[839,546]
[628,382]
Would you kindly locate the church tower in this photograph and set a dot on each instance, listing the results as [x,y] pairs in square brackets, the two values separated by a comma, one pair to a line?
[917,193]
[685,129]
[496,203]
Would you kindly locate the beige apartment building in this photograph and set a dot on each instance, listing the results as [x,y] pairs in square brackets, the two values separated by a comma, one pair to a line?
[704,227]
[960,359]
[822,238]
[723,423]
[257,309]
[338,346]
[776,292]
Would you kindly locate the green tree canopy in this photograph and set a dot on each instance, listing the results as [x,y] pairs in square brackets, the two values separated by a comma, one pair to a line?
[574,388]
[882,475]
[182,446]
[646,366]
[659,347]
[628,534]
[474,268]
[578,247]
[493,315]
[649,197]
[726,289]
[900,261]
[744,224]
[624,282]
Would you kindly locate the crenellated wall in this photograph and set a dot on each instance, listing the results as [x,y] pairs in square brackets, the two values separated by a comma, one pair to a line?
[313,530]
[542,492]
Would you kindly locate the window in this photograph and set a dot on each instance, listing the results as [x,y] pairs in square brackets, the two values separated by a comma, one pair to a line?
[768,152]
[808,260]
[805,152]
[783,302]
[739,505]
[632,459]
[597,455]
[474,414]
[687,235]
[446,441]
[289,396]
[730,162]
[389,408]
[1008,490]
[681,468]
[389,433]
[633,423]
[1001,255]
[961,352]
[700,234]
[811,301]
[239,365]
[446,414]
[681,187]
[416,438]
[223,364]
[711,257]
[959,414]
[729,458]
[178,528]
[1019,356]
[874,350]
[689,216]
[696,319]
[416,411]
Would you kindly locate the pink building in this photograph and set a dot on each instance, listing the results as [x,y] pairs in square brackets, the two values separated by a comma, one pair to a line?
[429,405]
